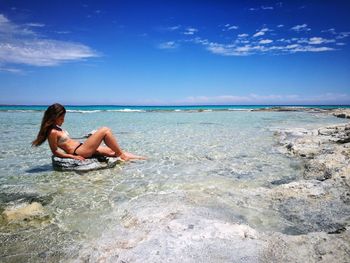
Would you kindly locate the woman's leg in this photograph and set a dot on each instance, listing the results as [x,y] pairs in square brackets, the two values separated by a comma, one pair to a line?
[89,147]
[92,146]
[106,151]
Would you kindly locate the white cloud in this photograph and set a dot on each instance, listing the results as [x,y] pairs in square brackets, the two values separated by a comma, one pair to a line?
[3,19]
[262,8]
[268,99]
[280,25]
[342,35]
[325,98]
[267,8]
[201,41]
[300,48]
[244,49]
[20,45]
[265,41]
[258,34]
[35,24]
[168,45]
[292,46]
[319,40]
[245,44]
[299,28]
[230,27]
[234,50]
[11,70]
[173,28]
[62,32]
[330,30]
[43,52]
[284,40]
[7,29]
[243,35]
[190,31]
[261,32]
[220,49]
[301,40]
[215,100]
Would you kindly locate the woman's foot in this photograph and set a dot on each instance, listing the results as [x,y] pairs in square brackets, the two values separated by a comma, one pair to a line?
[129,156]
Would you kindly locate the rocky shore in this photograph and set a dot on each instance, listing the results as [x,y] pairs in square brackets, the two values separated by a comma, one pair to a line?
[313,211]
[338,112]
[319,204]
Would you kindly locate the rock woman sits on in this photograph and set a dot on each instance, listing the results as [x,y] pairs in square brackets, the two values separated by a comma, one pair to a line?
[58,139]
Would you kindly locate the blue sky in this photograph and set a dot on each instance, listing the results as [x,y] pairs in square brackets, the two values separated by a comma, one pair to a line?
[174,52]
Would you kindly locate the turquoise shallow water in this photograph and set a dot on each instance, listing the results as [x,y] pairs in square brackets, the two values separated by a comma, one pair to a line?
[102,108]
[206,163]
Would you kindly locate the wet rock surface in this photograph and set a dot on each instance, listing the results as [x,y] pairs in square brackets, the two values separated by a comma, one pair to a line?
[314,247]
[196,234]
[23,209]
[342,113]
[319,204]
[188,233]
[24,215]
[326,151]
[90,164]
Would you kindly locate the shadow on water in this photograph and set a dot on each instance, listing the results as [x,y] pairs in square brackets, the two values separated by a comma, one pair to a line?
[40,169]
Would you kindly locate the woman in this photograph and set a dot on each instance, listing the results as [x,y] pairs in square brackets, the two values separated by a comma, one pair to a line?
[58,139]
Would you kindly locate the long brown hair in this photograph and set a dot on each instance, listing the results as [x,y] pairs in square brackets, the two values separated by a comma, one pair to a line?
[51,114]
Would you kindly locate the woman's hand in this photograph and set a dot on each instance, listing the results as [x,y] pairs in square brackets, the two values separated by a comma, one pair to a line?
[77,157]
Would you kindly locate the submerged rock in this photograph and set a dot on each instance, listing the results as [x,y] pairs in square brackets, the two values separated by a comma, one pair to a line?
[25,214]
[291,108]
[338,112]
[173,229]
[342,113]
[90,164]
[24,197]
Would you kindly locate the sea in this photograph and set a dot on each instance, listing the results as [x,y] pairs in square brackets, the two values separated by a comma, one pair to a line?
[205,167]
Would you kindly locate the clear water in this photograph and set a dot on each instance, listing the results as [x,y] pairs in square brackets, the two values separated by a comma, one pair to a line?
[202,165]
[121,108]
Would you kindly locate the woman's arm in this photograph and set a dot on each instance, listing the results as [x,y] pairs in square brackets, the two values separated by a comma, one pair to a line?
[53,138]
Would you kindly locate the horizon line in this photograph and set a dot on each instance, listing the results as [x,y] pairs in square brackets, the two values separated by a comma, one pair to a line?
[171,105]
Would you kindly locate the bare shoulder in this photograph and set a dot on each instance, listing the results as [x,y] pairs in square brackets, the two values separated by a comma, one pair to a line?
[53,133]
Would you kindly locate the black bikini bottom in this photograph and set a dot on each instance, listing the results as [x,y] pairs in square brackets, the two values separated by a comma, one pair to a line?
[74,153]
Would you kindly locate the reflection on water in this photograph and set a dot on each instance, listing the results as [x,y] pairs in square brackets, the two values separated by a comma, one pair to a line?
[203,168]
